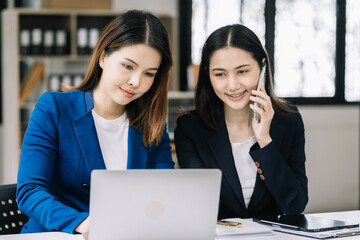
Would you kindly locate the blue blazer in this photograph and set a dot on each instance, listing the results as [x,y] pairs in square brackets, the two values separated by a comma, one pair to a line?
[59,151]
[282,164]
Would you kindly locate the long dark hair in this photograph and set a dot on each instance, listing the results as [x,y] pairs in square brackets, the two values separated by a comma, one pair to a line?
[207,103]
[137,27]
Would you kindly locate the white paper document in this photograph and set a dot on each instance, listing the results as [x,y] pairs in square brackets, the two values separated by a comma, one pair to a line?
[43,236]
[248,228]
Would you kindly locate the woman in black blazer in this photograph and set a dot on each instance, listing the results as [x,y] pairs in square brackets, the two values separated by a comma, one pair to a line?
[262,159]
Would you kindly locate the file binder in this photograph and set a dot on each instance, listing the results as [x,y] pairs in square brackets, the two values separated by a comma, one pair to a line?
[82,41]
[65,80]
[54,83]
[93,38]
[61,42]
[25,40]
[77,80]
[36,41]
[49,42]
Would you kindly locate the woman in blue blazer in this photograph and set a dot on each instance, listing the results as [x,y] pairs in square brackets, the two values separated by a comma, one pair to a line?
[262,159]
[68,135]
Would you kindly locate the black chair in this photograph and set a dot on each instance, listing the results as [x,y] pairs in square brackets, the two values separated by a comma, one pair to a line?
[11,218]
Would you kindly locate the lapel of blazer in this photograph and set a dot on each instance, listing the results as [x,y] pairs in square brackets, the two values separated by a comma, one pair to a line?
[137,152]
[86,134]
[277,134]
[221,148]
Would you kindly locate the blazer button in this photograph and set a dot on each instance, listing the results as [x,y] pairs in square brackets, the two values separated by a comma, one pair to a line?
[257,164]
[259,170]
[262,177]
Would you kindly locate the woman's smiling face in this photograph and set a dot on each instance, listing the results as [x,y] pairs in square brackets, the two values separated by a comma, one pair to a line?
[128,73]
[233,74]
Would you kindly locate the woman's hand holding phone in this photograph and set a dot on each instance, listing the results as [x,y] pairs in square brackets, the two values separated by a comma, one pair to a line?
[263,108]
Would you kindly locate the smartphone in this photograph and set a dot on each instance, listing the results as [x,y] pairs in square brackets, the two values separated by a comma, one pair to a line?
[261,80]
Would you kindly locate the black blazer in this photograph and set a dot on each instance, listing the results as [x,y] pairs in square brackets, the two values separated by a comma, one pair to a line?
[282,185]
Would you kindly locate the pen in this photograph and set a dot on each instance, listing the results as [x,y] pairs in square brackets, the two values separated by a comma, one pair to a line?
[347,234]
[229,223]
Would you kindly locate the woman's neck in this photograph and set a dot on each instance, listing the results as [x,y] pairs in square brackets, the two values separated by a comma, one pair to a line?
[105,107]
[239,124]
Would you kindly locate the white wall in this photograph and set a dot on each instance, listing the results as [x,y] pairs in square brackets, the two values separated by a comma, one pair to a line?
[332,148]
[1,148]
[156,6]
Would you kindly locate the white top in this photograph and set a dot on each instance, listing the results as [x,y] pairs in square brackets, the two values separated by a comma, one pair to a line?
[113,139]
[245,167]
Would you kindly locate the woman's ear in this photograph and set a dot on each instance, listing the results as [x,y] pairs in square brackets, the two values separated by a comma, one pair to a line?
[263,61]
[102,59]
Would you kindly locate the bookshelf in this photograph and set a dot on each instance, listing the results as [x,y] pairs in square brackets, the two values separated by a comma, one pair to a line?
[41,48]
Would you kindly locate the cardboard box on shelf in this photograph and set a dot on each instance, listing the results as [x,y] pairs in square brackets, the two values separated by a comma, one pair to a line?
[78,4]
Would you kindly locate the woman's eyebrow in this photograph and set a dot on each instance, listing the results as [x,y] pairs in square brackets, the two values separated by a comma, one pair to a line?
[217,69]
[242,65]
[155,69]
[132,61]
[222,69]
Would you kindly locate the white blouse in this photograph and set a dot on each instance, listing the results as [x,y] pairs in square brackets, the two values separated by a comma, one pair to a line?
[245,167]
[113,139]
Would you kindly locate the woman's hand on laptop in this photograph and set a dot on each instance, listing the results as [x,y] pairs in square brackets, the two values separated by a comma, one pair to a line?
[83,227]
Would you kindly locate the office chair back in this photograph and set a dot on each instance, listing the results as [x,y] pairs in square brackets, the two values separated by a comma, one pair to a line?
[11,218]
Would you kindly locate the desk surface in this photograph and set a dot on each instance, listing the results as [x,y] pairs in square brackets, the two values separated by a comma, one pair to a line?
[345,216]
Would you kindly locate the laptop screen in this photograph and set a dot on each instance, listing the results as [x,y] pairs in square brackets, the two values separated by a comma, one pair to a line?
[154,204]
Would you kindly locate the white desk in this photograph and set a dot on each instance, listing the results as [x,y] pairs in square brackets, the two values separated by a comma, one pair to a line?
[345,216]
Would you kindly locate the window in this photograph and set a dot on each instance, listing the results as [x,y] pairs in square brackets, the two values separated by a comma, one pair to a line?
[305,33]
[352,51]
[209,15]
[314,44]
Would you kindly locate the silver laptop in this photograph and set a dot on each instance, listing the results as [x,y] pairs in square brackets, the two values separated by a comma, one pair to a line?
[154,204]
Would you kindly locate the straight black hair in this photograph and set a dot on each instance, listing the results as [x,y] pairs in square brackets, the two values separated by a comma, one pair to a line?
[207,103]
